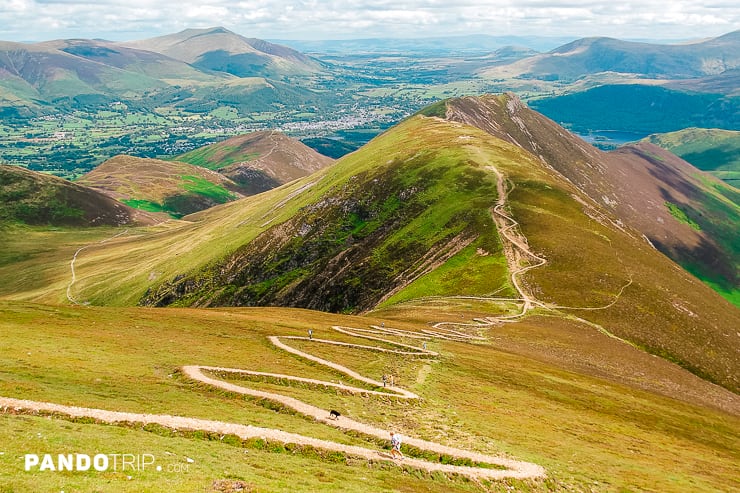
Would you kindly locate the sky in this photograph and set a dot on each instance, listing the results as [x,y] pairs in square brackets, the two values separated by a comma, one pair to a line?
[37,20]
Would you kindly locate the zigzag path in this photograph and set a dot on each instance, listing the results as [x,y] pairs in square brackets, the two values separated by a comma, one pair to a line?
[517,253]
[512,468]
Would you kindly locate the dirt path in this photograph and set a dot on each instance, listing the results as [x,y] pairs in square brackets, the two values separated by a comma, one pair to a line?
[519,259]
[74,259]
[512,468]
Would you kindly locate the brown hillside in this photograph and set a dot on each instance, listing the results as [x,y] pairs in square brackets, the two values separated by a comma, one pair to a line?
[178,184]
[259,161]
[635,183]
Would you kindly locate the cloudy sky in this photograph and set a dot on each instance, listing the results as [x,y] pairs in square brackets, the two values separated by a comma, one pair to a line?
[34,20]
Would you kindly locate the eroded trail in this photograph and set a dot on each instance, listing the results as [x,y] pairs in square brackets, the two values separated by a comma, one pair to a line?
[507,468]
[519,258]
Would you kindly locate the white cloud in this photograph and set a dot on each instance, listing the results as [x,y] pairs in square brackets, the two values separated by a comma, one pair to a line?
[44,19]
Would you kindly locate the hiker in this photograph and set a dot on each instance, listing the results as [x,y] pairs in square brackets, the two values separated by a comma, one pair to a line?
[382,325]
[424,345]
[334,414]
[310,334]
[396,445]
[384,379]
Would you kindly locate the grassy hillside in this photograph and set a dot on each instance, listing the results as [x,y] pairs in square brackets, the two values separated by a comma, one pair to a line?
[713,150]
[173,187]
[689,216]
[379,216]
[37,199]
[258,161]
[611,419]
[405,218]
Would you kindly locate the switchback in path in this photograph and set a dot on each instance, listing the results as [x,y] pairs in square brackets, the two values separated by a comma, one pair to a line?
[487,466]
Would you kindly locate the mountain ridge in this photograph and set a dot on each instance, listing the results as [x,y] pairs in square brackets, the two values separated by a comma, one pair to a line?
[632,187]
[600,54]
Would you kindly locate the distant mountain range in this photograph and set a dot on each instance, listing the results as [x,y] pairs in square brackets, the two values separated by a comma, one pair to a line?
[477,44]
[197,67]
[590,56]
[68,74]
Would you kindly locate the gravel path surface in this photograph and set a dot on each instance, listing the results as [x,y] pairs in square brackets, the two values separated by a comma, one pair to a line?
[513,468]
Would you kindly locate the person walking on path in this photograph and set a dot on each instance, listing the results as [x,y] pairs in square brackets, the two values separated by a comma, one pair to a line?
[396,445]
[384,380]
[310,334]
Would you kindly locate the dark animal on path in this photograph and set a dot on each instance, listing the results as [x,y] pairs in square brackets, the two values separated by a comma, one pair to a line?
[334,414]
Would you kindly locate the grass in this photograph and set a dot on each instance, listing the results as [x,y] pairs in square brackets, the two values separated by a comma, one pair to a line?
[709,149]
[206,157]
[679,214]
[144,205]
[592,421]
[200,186]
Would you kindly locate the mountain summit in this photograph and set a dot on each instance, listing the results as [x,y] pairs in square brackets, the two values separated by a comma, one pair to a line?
[218,49]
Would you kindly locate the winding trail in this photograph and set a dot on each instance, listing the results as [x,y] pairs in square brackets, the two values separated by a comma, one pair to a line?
[507,468]
[520,259]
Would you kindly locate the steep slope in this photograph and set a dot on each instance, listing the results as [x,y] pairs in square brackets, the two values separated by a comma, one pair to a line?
[688,215]
[35,198]
[713,150]
[596,55]
[409,218]
[258,161]
[218,49]
[161,186]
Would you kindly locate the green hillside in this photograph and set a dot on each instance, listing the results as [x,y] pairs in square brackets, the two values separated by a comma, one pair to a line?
[709,149]
[407,219]
[258,161]
[32,198]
